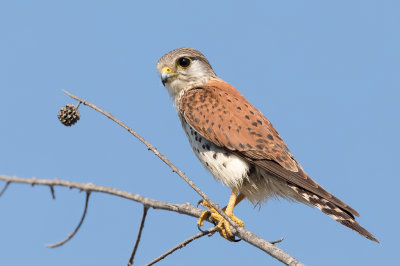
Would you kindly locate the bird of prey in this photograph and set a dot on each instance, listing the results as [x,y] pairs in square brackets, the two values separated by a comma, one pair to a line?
[238,144]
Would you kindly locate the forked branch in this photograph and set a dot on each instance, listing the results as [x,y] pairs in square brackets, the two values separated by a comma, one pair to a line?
[185,208]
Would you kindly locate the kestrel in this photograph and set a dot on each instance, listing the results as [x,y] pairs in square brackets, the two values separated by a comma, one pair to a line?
[238,144]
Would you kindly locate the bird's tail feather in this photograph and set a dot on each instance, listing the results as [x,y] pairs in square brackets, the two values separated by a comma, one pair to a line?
[340,215]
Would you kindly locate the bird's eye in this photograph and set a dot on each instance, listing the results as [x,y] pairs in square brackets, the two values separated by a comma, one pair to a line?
[184,62]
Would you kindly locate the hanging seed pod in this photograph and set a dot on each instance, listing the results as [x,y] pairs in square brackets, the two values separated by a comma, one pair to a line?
[68,115]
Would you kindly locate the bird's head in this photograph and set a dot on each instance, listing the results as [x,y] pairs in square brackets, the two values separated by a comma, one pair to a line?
[182,69]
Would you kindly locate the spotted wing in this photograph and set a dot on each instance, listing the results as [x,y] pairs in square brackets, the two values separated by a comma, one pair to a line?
[222,115]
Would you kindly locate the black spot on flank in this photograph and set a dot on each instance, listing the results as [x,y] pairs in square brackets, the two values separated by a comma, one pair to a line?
[260,147]
[215,155]
[224,165]
[270,137]
[226,154]
[247,117]
[254,124]
[207,164]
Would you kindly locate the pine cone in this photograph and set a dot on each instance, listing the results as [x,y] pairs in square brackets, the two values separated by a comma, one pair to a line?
[68,115]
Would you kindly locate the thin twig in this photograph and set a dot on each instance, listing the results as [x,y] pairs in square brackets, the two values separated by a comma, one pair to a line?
[53,194]
[71,235]
[4,188]
[186,209]
[276,241]
[145,209]
[236,230]
[181,245]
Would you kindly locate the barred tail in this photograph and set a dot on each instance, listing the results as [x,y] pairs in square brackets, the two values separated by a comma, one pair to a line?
[340,215]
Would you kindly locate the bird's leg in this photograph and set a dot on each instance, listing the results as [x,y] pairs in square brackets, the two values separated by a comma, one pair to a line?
[223,225]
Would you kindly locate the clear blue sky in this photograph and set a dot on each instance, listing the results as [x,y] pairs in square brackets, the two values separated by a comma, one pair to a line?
[326,74]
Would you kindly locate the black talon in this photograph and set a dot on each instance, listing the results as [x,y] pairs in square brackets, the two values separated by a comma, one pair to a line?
[236,239]
[201,230]
[199,203]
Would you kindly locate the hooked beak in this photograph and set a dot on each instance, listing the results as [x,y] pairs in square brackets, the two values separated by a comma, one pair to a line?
[166,74]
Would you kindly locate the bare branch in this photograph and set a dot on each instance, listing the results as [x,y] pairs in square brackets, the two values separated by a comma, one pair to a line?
[4,188]
[277,241]
[237,230]
[71,235]
[145,209]
[181,245]
[186,209]
[53,194]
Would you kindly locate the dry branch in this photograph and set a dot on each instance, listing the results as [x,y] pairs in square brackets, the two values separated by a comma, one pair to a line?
[185,208]
[181,245]
[73,233]
[145,209]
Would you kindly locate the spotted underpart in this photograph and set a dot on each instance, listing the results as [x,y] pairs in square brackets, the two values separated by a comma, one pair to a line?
[225,167]
[235,172]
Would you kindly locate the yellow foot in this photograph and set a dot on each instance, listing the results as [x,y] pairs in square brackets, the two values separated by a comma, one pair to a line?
[223,226]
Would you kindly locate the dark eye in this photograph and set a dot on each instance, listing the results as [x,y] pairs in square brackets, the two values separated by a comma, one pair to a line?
[184,62]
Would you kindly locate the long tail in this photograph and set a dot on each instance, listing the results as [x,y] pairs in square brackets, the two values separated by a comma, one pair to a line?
[340,215]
